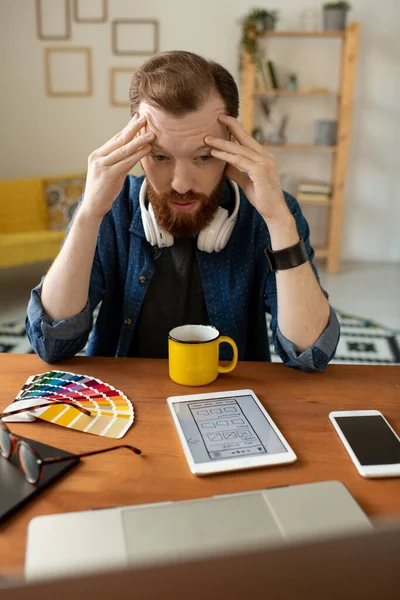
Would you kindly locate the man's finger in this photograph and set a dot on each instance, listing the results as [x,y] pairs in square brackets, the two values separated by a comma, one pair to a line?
[129,149]
[233,148]
[241,178]
[237,130]
[240,162]
[123,137]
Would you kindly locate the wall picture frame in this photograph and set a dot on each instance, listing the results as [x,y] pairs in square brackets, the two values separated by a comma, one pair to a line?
[53,20]
[66,73]
[92,16]
[143,31]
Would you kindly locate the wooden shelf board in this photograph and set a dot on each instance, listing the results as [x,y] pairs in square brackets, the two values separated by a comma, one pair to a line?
[304,34]
[316,202]
[300,147]
[305,92]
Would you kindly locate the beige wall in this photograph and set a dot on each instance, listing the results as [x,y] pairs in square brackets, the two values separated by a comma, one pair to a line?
[45,136]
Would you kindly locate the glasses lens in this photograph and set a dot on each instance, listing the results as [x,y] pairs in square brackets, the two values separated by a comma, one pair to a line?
[5,443]
[28,462]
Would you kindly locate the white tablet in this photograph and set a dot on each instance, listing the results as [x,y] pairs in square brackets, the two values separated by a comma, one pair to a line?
[227,431]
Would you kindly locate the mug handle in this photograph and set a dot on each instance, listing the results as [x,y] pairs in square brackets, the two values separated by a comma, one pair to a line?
[232,365]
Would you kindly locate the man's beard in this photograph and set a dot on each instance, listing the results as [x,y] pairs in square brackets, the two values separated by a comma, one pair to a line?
[180,224]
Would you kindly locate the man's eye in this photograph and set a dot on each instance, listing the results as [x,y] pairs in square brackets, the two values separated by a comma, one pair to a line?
[205,158]
[159,157]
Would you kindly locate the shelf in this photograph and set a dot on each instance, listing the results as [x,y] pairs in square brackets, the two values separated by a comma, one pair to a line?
[303,34]
[304,92]
[321,251]
[255,90]
[300,147]
[315,202]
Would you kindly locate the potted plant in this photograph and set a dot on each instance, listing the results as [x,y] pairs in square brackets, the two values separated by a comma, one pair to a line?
[264,19]
[335,15]
[254,23]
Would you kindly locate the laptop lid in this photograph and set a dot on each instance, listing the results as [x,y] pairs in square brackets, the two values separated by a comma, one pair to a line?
[157,533]
[362,566]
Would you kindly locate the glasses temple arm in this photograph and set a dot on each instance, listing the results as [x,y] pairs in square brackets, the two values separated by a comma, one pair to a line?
[47,461]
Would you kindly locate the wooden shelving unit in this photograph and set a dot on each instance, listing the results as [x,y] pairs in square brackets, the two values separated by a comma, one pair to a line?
[340,152]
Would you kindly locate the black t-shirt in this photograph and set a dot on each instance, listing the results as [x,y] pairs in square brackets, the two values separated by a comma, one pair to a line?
[174,297]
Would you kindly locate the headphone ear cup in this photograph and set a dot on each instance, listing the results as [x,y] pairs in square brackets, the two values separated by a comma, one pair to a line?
[208,237]
[160,237]
[154,235]
[165,239]
[148,227]
[224,235]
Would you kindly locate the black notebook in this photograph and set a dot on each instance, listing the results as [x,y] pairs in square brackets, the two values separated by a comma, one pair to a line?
[15,490]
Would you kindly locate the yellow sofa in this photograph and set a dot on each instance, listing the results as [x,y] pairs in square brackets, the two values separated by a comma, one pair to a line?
[27,234]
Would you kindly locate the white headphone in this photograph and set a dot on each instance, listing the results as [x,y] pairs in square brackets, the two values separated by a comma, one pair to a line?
[212,238]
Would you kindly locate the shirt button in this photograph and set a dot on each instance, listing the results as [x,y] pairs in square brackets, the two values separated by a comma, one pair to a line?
[128,321]
[142,279]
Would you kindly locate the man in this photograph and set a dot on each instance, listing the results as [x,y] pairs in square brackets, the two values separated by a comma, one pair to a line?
[159,251]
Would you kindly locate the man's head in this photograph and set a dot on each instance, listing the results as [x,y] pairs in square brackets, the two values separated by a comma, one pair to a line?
[181,95]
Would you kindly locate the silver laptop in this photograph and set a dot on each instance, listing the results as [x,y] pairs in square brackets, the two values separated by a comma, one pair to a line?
[159,533]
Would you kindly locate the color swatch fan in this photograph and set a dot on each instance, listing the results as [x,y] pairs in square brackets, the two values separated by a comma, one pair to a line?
[111,412]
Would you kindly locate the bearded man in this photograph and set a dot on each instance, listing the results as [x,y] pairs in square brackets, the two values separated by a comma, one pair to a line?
[205,236]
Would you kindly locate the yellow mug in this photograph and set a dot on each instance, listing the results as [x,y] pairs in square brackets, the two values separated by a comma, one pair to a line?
[193,352]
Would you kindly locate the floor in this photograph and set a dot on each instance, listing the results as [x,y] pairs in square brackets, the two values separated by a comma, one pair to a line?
[367,290]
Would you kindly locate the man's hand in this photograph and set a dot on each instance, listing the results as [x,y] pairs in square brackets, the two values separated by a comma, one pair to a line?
[252,167]
[109,165]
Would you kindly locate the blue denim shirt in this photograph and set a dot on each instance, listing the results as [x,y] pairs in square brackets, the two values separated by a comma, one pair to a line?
[238,286]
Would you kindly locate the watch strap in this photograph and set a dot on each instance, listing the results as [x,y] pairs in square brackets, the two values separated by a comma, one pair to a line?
[287,258]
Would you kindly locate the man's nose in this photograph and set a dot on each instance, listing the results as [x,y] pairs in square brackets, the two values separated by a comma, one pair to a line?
[182,181]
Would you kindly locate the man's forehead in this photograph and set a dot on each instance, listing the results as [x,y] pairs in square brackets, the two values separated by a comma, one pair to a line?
[194,125]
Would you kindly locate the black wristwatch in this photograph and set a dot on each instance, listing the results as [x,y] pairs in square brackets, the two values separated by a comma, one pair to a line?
[288,257]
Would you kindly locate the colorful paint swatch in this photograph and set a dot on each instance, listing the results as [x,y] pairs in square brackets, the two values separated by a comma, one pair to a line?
[111,411]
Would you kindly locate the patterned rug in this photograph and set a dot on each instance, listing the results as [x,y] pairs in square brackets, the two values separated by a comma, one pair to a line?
[361,342]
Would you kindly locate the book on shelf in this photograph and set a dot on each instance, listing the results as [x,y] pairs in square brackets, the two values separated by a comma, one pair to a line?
[272,74]
[259,80]
[313,198]
[312,186]
[261,77]
[267,74]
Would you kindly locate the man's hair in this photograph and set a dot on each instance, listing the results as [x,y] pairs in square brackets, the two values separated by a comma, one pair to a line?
[180,82]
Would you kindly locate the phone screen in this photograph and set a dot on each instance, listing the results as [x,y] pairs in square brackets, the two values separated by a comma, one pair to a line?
[371,439]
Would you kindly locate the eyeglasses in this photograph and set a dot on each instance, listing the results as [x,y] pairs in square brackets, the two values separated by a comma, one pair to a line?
[29,460]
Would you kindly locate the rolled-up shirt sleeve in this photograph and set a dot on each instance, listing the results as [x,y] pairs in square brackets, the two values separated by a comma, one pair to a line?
[56,340]
[315,358]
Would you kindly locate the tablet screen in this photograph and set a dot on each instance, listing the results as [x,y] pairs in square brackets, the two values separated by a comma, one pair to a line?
[223,428]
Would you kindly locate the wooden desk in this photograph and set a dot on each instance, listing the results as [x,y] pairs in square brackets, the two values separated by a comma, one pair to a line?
[298,402]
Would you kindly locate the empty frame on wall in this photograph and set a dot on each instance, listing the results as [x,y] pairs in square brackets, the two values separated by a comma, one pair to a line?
[135,37]
[90,11]
[120,81]
[53,19]
[68,71]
